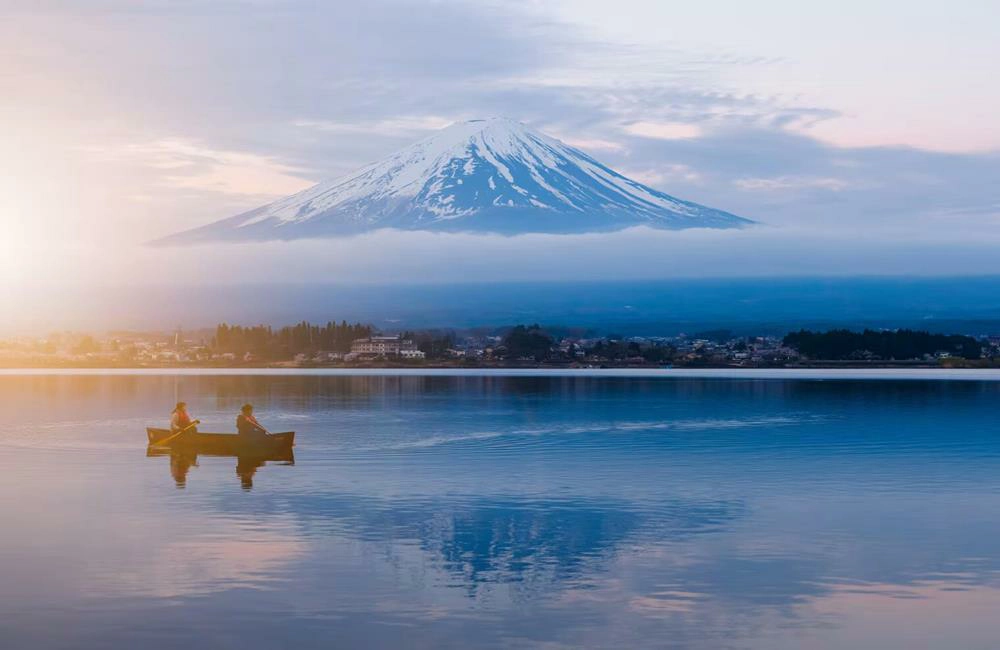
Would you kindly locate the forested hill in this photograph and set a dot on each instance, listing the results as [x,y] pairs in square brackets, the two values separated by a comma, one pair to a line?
[842,344]
[267,342]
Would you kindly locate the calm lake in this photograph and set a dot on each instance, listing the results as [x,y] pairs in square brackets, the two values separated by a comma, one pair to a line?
[504,511]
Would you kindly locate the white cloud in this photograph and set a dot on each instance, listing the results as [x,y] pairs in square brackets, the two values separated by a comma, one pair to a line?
[419,257]
[781,183]
[403,125]
[591,144]
[664,174]
[664,130]
[187,165]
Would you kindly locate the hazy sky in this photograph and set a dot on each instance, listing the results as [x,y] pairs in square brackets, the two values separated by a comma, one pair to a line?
[871,124]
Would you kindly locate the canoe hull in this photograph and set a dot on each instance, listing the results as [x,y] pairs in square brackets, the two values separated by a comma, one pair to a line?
[224,444]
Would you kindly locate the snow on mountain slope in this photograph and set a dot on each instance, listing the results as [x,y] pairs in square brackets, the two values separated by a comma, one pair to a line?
[493,175]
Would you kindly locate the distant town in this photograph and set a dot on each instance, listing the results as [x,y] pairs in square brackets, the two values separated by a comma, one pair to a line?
[305,345]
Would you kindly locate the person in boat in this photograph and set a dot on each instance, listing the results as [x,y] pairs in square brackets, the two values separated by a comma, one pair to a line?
[180,420]
[247,425]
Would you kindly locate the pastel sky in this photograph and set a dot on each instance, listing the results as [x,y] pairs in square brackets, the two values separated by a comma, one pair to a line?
[122,121]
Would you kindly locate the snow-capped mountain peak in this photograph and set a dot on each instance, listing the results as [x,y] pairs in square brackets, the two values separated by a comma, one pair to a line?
[493,175]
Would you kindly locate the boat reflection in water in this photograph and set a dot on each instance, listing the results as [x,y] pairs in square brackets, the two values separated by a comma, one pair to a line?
[184,452]
[183,459]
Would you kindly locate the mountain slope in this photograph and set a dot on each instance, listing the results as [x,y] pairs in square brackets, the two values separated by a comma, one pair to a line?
[493,175]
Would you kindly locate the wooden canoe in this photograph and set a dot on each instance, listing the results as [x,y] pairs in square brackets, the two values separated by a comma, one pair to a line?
[284,455]
[225,444]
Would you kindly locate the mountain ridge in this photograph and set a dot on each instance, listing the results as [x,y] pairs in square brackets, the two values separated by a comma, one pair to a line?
[490,176]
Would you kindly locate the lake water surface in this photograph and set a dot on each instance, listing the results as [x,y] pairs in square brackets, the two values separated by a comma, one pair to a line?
[504,511]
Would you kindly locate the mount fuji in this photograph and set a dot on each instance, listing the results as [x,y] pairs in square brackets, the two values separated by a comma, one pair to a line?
[483,176]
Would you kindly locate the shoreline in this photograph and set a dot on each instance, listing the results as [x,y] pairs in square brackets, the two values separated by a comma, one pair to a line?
[885,374]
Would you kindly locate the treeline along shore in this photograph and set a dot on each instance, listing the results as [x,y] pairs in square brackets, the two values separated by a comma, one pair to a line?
[362,345]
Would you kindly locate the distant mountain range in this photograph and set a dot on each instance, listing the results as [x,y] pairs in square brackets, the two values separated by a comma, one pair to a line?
[484,176]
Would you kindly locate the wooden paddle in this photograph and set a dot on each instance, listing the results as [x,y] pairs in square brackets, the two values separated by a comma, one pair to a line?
[261,427]
[162,443]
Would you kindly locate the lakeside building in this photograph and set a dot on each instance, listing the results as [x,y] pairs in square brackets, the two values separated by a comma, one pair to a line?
[386,346]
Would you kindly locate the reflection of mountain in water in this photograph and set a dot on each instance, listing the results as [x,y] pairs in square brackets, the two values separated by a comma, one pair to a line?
[511,541]
[517,542]
[535,545]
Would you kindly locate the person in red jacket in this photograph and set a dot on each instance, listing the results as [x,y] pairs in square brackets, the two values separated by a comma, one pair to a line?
[180,420]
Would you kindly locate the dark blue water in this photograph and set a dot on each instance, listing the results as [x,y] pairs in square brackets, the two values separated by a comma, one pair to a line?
[427,512]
